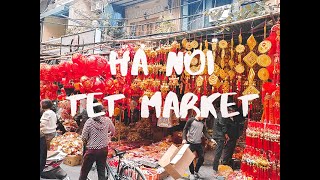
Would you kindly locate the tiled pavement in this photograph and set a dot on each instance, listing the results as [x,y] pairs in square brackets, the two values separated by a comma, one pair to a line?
[205,171]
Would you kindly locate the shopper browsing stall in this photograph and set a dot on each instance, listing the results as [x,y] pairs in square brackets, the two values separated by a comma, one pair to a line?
[226,133]
[95,136]
[48,120]
[82,117]
[192,134]
[235,127]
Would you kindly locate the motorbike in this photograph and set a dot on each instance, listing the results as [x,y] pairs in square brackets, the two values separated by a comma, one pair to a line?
[52,169]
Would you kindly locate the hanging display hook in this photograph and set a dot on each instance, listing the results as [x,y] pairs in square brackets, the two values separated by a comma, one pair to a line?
[252,26]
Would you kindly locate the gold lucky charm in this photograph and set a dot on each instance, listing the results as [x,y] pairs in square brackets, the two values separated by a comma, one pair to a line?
[240,49]
[206,44]
[251,89]
[239,68]
[188,46]
[194,44]
[213,79]
[251,58]
[184,42]
[222,45]
[216,69]
[231,74]
[231,64]
[264,46]
[251,42]
[225,87]
[222,74]
[264,60]
[263,74]
[199,81]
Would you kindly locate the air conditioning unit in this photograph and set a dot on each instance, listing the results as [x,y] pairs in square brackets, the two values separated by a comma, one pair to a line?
[219,13]
[96,6]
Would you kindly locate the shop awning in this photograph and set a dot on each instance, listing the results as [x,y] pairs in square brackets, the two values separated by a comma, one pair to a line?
[125,2]
[55,11]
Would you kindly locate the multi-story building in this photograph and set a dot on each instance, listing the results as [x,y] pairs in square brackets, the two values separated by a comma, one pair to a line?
[128,19]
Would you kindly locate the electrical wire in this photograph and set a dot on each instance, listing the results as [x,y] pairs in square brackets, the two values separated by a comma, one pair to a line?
[169,9]
[183,33]
[127,25]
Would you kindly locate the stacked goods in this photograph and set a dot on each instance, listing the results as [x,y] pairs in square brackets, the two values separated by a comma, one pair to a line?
[134,137]
[237,175]
[224,170]
[70,143]
[144,127]
[122,129]
[177,137]
[70,125]
[238,152]
[65,113]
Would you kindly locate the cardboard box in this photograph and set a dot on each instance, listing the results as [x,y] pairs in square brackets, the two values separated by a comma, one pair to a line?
[163,175]
[176,160]
[72,160]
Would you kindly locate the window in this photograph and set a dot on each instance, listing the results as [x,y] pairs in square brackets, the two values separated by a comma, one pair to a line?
[217,3]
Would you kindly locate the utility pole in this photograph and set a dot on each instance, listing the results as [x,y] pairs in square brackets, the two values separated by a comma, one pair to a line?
[41,34]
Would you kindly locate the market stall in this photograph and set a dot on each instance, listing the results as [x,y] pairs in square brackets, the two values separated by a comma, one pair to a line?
[244,66]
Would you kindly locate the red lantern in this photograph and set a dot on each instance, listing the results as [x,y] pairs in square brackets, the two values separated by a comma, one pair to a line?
[76,58]
[96,84]
[83,64]
[106,71]
[108,84]
[127,90]
[101,63]
[86,83]
[91,66]
[76,72]
[76,86]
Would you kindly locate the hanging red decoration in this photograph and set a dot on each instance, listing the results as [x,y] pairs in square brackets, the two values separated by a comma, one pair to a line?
[86,83]
[76,58]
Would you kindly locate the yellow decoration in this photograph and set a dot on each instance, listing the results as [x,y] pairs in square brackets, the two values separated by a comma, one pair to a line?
[251,42]
[213,79]
[250,90]
[231,63]
[225,87]
[264,60]
[250,59]
[263,74]
[264,46]
[199,81]
[194,44]
[240,48]
[231,74]
[188,46]
[184,42]
[216,69]
[239,68]
[223,44]
[222,74]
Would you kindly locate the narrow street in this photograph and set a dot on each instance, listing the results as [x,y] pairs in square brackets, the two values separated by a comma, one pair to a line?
[205,171]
